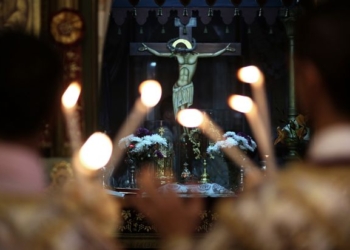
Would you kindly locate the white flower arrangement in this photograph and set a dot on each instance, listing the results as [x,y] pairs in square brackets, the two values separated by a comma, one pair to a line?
[232,139]
[143,144]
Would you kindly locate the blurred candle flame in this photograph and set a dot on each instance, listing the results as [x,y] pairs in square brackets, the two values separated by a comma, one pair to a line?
[96,151]
[250,74]
[190,118]
[151,92]
[71,95]
[241,103]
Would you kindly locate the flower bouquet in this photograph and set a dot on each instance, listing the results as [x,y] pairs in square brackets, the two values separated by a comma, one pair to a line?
[143,145]
[232,139]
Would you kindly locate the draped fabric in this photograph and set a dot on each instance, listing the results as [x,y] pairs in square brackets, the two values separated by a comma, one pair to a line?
[72,218]
[305,207]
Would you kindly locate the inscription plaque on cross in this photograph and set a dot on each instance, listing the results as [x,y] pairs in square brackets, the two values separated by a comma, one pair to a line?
[185,30]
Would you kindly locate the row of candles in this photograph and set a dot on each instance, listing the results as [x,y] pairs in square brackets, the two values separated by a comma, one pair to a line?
[257,115]
[100,152]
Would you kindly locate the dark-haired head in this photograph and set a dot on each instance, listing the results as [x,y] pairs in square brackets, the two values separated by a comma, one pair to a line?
[322,37]
[30,74]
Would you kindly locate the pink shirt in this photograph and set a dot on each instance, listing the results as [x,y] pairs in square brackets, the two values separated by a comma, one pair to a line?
[21,170]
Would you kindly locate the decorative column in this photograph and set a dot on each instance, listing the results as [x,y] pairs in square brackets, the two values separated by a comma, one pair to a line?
[288,18]
[67,29]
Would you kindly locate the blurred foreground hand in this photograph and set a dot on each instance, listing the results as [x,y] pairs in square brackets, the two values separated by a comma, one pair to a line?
[173,216]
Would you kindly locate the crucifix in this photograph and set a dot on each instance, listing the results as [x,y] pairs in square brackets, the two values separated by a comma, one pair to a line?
[187,52]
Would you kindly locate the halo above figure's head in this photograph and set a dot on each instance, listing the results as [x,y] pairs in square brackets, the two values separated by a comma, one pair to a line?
[173,45]
[183,41]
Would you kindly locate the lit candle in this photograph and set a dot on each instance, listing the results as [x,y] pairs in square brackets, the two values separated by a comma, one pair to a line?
[245,105]
[253,76]
[69,102]
[96,151]
[151,92]
[92,156]
[190,118]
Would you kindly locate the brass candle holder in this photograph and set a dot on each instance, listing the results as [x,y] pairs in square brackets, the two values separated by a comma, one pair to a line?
[205,176]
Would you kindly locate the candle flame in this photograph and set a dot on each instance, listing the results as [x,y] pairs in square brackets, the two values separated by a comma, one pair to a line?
[241,103]
[96,151]
[249,74]
[71,95]
[151,92]
[190,118]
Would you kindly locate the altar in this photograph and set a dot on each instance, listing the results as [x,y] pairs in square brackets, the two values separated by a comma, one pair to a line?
[135,232]
[194,53]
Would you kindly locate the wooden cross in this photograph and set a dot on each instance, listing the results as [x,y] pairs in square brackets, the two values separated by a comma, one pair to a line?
[183,89]
[185,31]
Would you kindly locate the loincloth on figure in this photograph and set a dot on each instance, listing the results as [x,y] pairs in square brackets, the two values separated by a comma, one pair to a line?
[182,96]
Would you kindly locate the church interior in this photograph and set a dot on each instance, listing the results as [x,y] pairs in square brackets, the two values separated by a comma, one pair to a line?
[193,49]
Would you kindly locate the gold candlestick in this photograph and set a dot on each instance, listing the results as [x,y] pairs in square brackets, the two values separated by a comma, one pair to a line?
[205,176]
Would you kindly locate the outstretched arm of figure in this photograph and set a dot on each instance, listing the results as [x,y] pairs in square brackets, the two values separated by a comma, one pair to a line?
[217,53]
[153,51]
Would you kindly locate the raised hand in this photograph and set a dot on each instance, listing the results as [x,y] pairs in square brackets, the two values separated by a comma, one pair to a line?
[174,217]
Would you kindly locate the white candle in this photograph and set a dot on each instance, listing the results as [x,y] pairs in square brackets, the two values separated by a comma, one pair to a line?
[69,102]
[151,92]
[253,76]
[245,105]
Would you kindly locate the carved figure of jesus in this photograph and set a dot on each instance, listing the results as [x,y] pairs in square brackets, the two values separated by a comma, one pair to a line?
[187,58]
